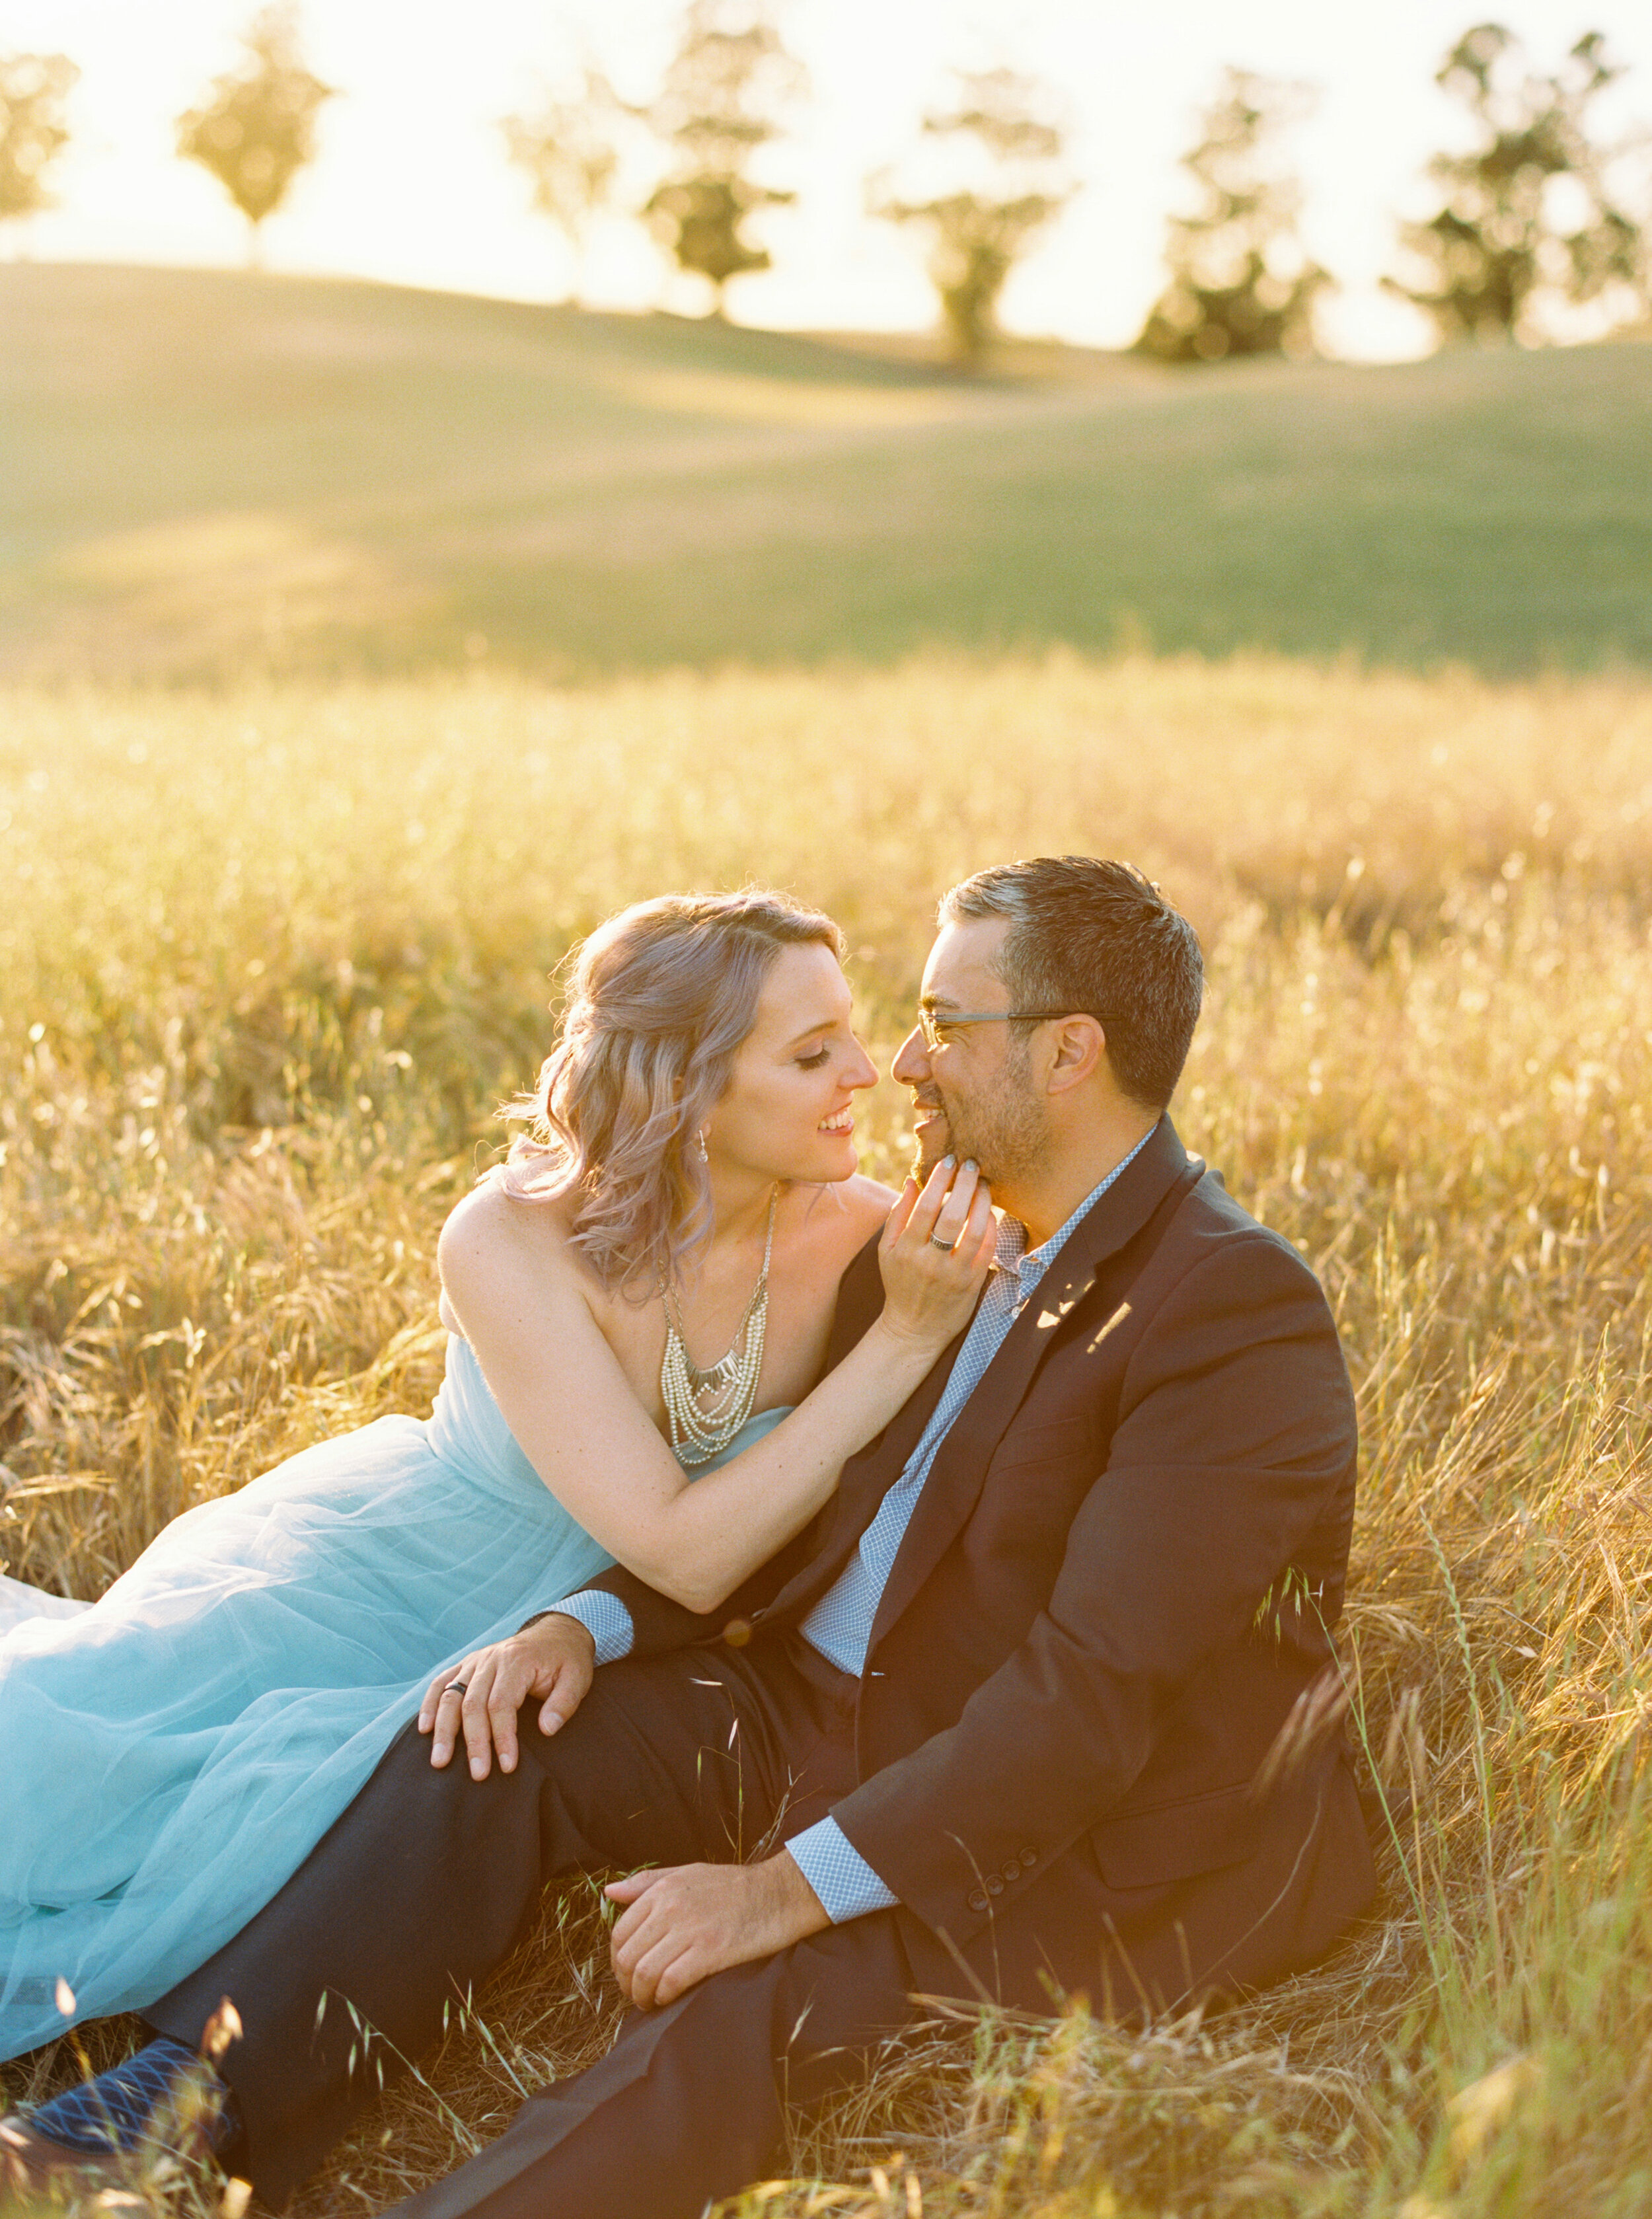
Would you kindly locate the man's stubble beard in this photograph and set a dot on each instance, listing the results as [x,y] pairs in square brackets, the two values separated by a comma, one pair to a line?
[1003,1131]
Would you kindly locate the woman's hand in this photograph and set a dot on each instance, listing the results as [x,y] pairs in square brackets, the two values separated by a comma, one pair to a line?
[934,1254]
[479,1696]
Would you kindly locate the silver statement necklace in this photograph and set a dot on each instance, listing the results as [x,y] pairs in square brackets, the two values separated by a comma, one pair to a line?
[706,1409]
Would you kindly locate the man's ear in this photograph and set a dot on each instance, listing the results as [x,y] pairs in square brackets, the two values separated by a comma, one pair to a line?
[1079,1050]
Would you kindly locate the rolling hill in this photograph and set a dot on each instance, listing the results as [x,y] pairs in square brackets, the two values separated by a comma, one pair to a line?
[203,472]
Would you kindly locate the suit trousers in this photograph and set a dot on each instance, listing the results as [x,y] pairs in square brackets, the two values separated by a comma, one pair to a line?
[425,1885]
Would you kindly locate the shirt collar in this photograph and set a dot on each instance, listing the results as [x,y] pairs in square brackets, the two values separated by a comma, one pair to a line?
[1031,1264]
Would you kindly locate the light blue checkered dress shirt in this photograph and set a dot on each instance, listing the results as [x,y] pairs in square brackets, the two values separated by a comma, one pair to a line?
[840,1624]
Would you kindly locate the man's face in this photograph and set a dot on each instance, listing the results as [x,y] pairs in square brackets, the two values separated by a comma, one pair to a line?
[974,1095]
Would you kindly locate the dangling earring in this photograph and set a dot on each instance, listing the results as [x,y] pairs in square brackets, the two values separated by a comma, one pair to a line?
[704,1153]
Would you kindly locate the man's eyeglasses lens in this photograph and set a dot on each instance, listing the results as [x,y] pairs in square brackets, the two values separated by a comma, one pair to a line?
[935,1029]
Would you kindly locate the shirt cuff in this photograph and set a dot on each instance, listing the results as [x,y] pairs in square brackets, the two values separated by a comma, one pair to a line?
[839,1875]
[604,1616]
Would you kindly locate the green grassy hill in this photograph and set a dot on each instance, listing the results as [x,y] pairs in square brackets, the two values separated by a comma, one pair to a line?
[202,471]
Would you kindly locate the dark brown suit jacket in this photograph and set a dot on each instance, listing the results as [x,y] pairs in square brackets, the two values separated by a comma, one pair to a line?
[1120,1574]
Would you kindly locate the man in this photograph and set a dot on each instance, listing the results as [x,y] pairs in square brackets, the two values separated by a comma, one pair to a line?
[1011,1710]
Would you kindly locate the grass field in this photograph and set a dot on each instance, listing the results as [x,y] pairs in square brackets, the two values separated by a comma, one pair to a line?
[203,474]
[274,950]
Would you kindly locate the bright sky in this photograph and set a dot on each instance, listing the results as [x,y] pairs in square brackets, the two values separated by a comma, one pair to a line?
[411,183]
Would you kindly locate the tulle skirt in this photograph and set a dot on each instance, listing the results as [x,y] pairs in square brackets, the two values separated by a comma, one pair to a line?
[169,1756]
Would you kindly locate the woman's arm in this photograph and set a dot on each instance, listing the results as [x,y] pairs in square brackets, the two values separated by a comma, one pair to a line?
[562,1391]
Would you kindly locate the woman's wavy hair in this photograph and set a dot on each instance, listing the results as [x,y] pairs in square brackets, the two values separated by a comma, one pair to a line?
[659,999]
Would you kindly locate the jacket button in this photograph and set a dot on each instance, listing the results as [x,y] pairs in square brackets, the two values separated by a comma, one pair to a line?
[1029,1858]
[977,1901]
[737,1632]
[994,1884]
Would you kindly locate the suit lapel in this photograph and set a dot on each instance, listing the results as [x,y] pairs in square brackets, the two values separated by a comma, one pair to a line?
[959,1467]
[867,1477]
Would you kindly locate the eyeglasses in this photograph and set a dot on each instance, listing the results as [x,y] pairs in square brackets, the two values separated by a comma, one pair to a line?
[936,1029]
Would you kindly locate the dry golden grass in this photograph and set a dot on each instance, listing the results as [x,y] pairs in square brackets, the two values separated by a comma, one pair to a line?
[271,956]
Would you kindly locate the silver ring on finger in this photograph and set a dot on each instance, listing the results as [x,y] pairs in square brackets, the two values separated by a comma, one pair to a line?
[935,1241]
[454,1687]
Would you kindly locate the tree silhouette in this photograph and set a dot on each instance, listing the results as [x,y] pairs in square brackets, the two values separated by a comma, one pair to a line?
[570,148]
[1500,242]
[1003,129]
[33,132]
[257,130]
[718,107]
[1241,283]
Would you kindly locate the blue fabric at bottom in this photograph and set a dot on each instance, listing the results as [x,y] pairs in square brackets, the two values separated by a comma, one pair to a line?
[173,1753]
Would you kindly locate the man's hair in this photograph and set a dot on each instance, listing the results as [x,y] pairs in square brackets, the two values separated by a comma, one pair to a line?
[1096,936]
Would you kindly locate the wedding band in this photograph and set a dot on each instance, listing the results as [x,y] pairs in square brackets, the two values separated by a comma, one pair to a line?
[454,1687]
[935,1241]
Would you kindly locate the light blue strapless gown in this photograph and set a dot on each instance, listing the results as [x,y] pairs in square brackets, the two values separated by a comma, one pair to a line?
[169,1755]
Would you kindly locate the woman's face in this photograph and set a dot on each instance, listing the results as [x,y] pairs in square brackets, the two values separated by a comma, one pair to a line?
[788,1110]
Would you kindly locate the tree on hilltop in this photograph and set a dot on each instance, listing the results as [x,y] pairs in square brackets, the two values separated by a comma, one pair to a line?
[724,92]
[32,130]
[570,149]
[258,129]
[1530,215]
[1241,280]
[1003,135]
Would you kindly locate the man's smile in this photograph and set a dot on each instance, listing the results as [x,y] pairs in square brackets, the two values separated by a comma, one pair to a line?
[926,1116]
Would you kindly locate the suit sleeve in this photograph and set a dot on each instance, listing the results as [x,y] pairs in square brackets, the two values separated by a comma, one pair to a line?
[657,1622]
[1235,1438]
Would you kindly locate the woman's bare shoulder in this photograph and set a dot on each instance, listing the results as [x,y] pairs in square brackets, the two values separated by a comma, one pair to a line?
[849,1212]
[490,1223]
[870,1199]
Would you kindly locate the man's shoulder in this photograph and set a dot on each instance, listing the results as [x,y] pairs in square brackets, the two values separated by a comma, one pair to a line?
[1218,1270]
[1211,1257]
[1211,1220]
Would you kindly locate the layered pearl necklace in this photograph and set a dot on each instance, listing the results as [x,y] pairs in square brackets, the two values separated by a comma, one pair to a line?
[706,1409]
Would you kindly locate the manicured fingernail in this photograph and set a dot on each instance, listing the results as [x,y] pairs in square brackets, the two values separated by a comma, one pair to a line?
[948,1163]
[970,1164]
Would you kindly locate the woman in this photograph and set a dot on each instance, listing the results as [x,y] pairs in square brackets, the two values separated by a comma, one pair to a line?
[173,1752]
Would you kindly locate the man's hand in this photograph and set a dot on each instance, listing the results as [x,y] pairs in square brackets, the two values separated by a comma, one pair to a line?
[689,1920]
[554,1661]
